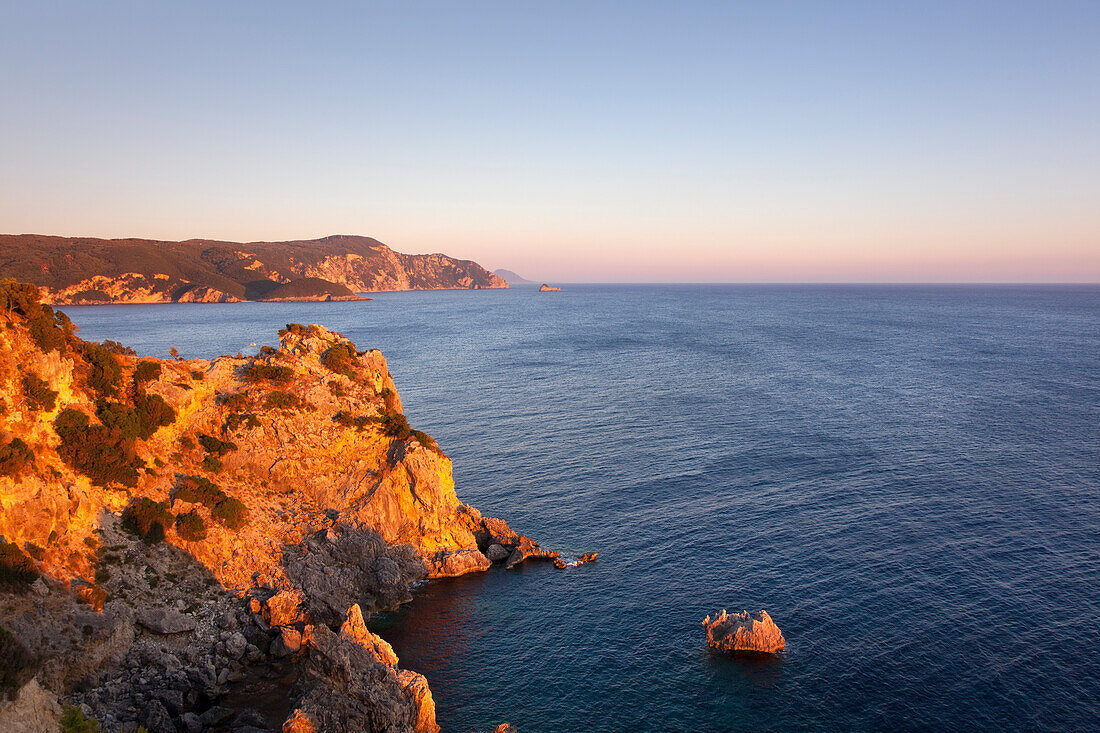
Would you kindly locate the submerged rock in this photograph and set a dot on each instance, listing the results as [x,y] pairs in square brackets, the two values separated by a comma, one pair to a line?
[743,633]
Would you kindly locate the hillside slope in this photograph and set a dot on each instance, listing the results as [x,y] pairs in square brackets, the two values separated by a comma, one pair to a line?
[82,270]
[173,529]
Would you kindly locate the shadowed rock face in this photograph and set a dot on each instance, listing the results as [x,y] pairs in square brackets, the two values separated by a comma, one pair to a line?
[86,270]
[743,633]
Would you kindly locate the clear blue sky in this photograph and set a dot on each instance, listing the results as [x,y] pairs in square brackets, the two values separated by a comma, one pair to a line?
[572,141]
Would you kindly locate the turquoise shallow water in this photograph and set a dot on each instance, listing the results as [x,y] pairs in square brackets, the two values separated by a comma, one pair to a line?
[906,477]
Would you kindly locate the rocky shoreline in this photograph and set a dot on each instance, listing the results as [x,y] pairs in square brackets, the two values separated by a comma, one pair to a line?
[180,536]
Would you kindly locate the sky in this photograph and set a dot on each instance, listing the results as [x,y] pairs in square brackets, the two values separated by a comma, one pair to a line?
[572,141]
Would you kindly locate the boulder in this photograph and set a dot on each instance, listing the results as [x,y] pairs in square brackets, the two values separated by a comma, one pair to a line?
[165,620]
[448,563]
[743,633]
[496,553]
[284,608]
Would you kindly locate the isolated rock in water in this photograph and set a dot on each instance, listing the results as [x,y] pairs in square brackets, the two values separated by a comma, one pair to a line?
[743,633]
[165,621]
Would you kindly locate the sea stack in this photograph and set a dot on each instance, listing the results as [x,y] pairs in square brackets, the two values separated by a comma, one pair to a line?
[743,633]
[548,289]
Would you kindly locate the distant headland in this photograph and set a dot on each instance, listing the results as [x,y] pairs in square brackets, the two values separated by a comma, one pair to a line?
[512,278]
[89,271]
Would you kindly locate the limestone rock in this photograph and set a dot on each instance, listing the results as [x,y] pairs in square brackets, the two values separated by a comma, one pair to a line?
[458,562]
[165,620]
[34,709]
[300,722]
[741,633]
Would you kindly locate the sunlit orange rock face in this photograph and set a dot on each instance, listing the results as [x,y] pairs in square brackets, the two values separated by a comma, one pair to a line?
[741,632]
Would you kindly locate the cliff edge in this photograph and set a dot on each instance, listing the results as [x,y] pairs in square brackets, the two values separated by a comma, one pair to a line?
[173,529]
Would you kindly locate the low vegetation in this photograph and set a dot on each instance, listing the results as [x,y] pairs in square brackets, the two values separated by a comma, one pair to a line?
[231,512]
[17,570]
[280,400]
[38,394]
[199,490]
[146,371]
[15,458]
[212,464]
[147,519]
[73,721]
[237,401]
[236,419]
[50,330]
[269,373]
[101,453]
[190,526]
[215,446]
[341,359]
[149,413]
[104,370]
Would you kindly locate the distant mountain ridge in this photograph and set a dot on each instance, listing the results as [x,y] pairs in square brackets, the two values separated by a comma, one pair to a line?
[86,270]
[512,278]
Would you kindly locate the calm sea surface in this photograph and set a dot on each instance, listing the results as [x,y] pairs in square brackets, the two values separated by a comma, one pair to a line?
[906,478]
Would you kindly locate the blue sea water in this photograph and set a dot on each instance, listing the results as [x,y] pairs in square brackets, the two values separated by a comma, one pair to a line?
[906,477]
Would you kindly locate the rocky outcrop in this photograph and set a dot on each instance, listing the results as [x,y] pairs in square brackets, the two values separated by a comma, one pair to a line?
[548,289]
[34,710]
[355,684]
[743,633]
[85,270]
[172,529]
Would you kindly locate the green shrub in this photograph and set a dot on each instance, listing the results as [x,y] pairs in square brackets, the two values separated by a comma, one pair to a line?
[38,393]
[100,453]
[295,328]
[105,373]
[425,440]
[48,329]
[17,665]
[199,490]
[341,359]
[212,464]
[147,519]
[73,721]
[15,458]
[116,348]
[191,527]
[352,421]
[237,419]
[231,512]
[394,424]
[279,400]
[187,442]
[146,371]
[269,373]
[336,389]
[237,401]
[216,447]
[198,375]
[141,421]
[17,571]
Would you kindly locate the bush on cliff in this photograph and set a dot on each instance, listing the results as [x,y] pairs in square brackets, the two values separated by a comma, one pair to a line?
[190,526]
[212,464]
[216,447]
[199,490]
[116,348]
[359,422]
[341,359]
[73,721]
[394,425]
[48,329]
[236,419]
[146,371]
[15,458]
[104,371]
[237,401]
[231,512]
[38,393]
[141,421]
[279,400]
[100,453]
[269,373]
[17,571]
[147,519]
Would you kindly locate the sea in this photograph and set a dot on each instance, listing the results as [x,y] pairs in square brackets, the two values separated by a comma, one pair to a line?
[907,478]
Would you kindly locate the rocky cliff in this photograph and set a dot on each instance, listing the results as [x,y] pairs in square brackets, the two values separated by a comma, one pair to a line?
[84,270]
[173,531]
